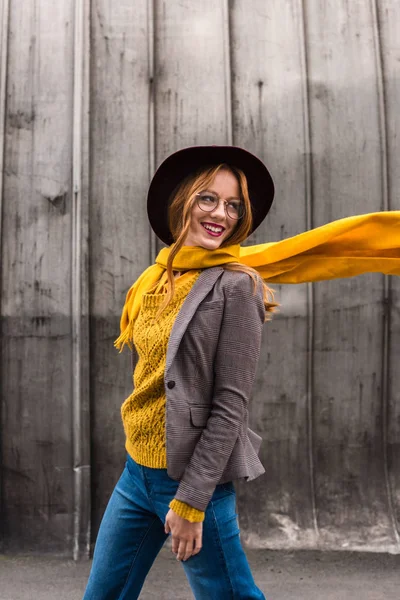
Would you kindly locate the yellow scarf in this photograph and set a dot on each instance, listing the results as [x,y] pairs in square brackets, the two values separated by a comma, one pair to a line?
[362,244]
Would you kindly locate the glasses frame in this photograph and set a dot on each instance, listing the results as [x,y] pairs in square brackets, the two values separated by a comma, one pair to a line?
[199,194]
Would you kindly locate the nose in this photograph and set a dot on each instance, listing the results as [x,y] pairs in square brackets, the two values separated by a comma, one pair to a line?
[219,210]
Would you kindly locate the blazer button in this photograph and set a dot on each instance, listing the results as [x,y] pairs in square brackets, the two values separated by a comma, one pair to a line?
[170,385]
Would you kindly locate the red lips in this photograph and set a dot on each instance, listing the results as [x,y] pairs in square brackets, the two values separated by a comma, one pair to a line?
[215,225]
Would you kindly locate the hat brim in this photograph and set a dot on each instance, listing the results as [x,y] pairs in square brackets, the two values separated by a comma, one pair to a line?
[183,162]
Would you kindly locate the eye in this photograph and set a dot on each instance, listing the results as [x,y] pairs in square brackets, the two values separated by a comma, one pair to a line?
[207,198]
[235,205]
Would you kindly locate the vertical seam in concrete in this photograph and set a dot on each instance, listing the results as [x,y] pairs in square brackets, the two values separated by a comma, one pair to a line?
[78,425]
[152,110]
[4,24]
[387,284]
[310,287]
[227,69]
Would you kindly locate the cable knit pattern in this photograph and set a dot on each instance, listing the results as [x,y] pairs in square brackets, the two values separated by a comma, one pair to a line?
[143,412]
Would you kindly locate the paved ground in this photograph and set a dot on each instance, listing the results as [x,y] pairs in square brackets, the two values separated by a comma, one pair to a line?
[281,575]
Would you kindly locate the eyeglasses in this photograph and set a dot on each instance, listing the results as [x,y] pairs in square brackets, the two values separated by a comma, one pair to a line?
[208,201]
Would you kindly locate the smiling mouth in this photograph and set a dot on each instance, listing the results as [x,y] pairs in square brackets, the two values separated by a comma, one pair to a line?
[213,230]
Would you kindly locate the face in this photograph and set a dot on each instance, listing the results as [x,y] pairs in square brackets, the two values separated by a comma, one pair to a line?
[209,229]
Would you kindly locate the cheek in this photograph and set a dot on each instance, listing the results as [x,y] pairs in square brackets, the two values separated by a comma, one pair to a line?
[194,219]
[196,227]
[232,228]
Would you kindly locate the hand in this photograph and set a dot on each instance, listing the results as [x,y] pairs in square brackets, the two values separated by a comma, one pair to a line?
[186,536]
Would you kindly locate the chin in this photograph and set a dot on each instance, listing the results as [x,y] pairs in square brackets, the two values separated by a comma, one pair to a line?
[210,244]
[202,241]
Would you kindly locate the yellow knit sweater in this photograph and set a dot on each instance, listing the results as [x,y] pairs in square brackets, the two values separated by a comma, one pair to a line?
[143,412]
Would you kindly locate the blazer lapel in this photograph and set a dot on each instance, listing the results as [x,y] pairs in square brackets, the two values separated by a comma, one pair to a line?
[199,291]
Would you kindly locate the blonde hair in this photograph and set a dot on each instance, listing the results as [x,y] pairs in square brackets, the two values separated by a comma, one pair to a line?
[183,199]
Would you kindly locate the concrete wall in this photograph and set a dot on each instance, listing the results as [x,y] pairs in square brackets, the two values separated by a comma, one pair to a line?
[93,96]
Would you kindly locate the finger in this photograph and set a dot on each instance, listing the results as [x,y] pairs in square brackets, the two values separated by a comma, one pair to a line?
[167,528]
[175,544]
[197,545]
[189,550]
[182,550]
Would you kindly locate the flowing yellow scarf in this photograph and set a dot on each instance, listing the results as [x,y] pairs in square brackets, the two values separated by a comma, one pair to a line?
[362,244]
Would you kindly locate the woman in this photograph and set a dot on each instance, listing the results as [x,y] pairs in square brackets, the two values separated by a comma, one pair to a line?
[177,479]
[194,319]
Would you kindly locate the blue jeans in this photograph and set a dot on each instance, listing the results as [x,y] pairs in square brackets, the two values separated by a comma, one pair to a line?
[132,533]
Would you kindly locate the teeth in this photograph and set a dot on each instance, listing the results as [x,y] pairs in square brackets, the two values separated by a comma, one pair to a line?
[213,229]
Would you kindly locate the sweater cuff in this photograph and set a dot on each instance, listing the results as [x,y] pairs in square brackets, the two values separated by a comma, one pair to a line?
[186,512]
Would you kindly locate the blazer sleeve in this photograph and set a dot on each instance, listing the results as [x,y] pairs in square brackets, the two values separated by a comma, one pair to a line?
[235,365]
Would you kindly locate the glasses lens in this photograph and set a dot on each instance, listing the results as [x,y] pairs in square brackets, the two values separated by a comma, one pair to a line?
[235,209]
[207,202]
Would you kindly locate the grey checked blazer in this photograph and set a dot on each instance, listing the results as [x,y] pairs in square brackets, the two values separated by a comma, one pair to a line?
[212,356]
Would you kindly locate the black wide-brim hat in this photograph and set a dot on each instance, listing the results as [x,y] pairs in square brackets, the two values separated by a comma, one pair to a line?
[180,164]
